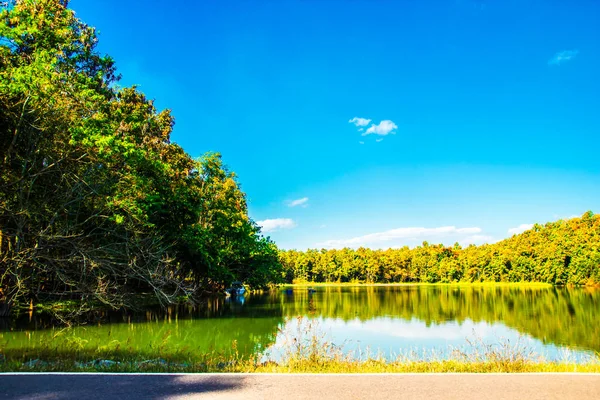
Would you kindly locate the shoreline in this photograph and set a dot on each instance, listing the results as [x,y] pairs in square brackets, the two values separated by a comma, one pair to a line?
[304,367]
[408,284]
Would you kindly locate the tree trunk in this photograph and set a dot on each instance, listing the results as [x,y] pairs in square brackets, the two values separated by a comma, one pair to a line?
[5,309]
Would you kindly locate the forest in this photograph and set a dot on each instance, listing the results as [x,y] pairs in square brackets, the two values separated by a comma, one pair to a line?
[97,203]
[559,253]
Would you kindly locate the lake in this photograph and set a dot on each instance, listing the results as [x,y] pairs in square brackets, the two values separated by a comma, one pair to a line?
[425,322]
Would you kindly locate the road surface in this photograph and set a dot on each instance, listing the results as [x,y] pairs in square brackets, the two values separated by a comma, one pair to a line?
[292,386]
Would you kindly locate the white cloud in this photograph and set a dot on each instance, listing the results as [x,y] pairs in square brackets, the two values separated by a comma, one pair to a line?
[385,127]
[360,121]
[477,239]
[361,142]
[303,202]
[415,329]
[557,217]
[411,236]
[519,229]
[379,140]
[563,56]
[271,225]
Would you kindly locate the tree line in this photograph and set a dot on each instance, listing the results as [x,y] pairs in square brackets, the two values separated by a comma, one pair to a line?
[96,202]
[560,253]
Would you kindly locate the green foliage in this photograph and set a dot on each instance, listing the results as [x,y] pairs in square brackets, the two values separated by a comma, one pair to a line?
[559,253]
[96,202]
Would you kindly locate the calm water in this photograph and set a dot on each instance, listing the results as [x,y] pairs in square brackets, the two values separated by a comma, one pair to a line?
[421,320]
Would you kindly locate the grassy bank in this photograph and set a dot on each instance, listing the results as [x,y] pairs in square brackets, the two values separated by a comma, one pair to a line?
[372,366]
[233,363]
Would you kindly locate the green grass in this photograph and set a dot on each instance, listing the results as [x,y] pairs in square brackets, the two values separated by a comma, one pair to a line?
[375,366]
[370,366]
[231,363]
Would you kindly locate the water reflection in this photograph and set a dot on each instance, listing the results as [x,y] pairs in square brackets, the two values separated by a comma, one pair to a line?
[392,319]
[238,300]
[392,339]
[217,326]
[561,316]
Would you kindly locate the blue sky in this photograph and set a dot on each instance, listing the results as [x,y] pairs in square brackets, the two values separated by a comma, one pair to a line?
[484,115]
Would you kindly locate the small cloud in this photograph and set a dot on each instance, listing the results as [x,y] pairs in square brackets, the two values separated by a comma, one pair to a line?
[303,202]
[520,229]
[385,127]
[563,56]
[361,129]
[271,225]
[360,121]
[361,142]
[379,140]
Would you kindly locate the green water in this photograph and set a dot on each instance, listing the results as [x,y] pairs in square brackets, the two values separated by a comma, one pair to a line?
[554,322]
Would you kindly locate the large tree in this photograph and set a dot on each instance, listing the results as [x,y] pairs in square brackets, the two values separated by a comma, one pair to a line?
[96,202]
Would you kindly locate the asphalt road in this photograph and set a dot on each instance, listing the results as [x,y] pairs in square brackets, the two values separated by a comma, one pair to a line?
[292,386]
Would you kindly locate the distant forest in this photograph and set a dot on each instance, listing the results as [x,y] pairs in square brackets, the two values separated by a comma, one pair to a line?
[560,253]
